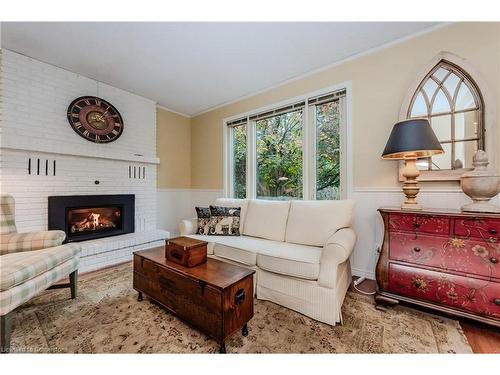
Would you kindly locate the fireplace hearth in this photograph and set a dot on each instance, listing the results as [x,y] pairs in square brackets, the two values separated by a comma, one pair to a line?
[85,217]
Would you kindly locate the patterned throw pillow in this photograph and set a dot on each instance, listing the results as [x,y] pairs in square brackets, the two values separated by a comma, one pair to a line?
[203,214]
[225,221]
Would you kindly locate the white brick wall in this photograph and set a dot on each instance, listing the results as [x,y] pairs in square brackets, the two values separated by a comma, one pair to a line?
[74,176]
[34,101]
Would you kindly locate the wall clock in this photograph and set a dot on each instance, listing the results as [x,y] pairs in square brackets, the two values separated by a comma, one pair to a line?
[95,119]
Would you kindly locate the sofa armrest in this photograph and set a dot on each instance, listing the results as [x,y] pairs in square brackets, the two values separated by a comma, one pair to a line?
[18,242]
[337,250]
[189,226]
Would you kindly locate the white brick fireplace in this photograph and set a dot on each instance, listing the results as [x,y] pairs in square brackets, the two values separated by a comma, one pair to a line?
[42,156]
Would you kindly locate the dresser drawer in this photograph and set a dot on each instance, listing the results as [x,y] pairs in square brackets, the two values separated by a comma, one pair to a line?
[419,223]
[459,292]
[471,256]
[484,228]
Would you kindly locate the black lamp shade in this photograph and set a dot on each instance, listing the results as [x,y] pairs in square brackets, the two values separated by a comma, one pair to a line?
[413,138]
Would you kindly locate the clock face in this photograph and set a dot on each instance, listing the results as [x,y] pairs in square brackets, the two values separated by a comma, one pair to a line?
[95,119]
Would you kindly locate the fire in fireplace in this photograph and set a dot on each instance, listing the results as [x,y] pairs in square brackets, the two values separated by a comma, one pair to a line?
[86,217]
[87,220]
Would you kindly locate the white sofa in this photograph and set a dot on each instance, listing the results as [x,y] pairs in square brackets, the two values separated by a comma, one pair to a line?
[300,250]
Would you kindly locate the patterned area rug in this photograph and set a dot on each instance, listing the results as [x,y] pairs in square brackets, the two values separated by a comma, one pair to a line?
[106,318]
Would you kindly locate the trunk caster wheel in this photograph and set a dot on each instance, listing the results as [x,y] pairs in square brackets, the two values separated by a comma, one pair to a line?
[244,330]
[139,297]
[222,348]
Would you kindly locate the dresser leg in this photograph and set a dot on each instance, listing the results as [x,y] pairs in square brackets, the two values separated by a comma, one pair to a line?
[222,348]
[139,297]
[382,303]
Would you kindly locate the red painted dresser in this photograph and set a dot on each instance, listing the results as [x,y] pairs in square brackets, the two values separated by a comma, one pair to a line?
[441,259]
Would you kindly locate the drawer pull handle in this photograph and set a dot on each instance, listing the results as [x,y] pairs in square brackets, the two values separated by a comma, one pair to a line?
[416,249]
[239,297]
[496,301]
[494,260]
[493,231]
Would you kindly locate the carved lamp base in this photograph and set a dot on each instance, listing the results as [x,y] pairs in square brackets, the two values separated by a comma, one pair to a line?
[410,185]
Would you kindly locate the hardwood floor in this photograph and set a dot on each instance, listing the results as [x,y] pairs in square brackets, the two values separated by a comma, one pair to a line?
[482,338]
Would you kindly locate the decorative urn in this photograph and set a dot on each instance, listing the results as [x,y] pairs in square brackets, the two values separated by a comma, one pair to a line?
[481,184]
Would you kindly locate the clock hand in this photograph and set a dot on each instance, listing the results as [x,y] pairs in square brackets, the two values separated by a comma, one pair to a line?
[103,115]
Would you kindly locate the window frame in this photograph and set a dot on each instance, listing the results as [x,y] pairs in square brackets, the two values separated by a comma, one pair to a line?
[488,112]
[309,144]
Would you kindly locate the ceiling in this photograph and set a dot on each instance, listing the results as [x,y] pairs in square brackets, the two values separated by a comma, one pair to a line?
[192,67]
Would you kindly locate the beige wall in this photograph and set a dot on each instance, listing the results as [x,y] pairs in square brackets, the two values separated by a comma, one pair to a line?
[173,145]
[380,80]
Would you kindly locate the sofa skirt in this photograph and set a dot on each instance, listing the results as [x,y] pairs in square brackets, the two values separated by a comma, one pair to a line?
[304,296]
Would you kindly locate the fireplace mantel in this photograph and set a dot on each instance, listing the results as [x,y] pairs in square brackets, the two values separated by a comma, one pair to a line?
[9,143]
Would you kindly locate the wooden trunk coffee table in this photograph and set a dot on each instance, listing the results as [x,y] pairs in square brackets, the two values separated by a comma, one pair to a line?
[215,297]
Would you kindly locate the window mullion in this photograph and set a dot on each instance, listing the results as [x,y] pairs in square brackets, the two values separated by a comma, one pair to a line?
[306,171]
[230,156]
[312,152]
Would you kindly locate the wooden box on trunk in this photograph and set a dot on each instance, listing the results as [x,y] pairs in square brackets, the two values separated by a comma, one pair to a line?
[186,251]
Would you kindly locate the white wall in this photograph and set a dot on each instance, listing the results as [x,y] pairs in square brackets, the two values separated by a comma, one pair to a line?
[175,205]
[34,99]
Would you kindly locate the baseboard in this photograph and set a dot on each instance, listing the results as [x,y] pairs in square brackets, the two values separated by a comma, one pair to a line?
[359,272]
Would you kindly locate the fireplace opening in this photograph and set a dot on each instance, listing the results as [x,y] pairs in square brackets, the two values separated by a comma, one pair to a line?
[88,217]
[94,219]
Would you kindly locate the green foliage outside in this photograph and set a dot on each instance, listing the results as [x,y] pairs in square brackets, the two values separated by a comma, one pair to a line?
[279,155]
[328,151]
[240,161]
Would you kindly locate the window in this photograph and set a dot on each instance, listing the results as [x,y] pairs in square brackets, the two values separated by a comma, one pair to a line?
[327,124]
[279,155]
[239,157]
[288,152]
[453,104]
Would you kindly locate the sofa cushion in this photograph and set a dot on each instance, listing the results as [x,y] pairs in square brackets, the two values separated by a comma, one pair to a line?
[18,268]
[267,219]
[231,202]
[291,260]
[313,222]
[275,256]
[246,256]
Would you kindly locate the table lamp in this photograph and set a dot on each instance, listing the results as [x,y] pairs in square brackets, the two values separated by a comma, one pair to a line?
[409,140]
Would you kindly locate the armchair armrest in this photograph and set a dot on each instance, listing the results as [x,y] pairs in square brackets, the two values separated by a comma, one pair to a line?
[337,250]
[189,226]
[18,242]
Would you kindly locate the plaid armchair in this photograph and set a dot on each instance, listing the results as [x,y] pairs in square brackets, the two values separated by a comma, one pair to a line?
[29,264]
[13,242]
